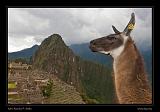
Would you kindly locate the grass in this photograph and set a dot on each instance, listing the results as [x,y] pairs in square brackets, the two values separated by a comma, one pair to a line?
[14,97]
[11,85]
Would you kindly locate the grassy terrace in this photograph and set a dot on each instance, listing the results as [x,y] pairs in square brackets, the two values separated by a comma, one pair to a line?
[11,85]
[13,95]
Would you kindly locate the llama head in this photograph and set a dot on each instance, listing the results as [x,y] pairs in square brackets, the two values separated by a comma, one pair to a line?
[113,44]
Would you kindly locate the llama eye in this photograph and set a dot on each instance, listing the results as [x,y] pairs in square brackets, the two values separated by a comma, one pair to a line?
[111,38]
[115,38]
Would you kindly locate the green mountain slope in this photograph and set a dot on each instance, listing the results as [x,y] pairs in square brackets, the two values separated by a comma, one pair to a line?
[84,52]
[90,79]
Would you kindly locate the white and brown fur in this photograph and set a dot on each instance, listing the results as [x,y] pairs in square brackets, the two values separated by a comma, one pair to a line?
[131,83]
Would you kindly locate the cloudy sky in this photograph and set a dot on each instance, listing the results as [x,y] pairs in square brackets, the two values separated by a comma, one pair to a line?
[30,26]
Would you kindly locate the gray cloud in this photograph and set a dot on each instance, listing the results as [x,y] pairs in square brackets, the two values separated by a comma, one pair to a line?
[29,26]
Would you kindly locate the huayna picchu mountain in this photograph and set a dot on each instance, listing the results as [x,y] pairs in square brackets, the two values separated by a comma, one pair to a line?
[92,80]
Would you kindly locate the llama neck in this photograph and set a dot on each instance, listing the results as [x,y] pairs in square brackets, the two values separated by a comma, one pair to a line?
[130,80]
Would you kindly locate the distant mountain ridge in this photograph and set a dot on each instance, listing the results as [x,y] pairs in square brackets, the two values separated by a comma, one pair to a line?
[84,52]
[25,53]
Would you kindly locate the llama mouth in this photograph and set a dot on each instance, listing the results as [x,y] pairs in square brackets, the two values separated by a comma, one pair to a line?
[98,49]
[104,52]
[93,48]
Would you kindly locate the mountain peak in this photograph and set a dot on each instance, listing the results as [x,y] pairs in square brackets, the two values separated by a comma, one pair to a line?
[52,40]
[55,37]
[50,50]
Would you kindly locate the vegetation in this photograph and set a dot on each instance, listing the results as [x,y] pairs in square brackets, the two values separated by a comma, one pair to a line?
[11,85]
[97,82]
[93,78]
[22,60]
[13,97]
[47,90]
[88,100]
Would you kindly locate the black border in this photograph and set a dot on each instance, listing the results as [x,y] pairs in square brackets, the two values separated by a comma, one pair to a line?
[75,107]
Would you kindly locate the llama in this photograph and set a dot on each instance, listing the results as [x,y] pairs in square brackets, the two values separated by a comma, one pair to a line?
[131,83]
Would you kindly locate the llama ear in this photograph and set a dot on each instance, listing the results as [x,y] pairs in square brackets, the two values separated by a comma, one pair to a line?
[115,30]
[130,25]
